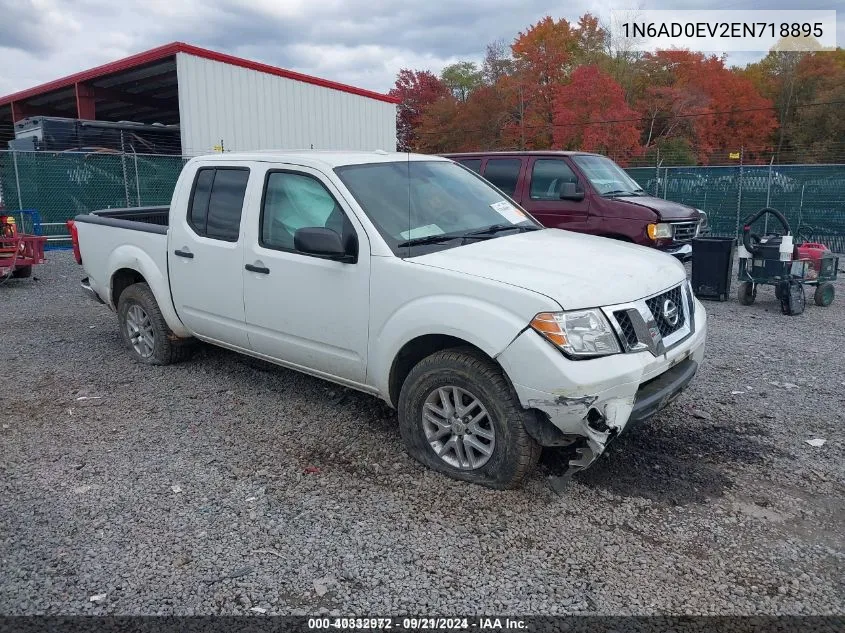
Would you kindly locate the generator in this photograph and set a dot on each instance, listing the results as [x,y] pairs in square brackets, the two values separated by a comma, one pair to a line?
[774,260]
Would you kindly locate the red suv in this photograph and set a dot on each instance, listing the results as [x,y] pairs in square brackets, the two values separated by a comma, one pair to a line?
[588,193]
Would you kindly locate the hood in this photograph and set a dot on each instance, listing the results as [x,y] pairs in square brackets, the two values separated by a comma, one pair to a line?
[666,209]
[576,270]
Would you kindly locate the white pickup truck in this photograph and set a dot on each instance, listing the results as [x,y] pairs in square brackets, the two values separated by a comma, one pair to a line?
[411,278]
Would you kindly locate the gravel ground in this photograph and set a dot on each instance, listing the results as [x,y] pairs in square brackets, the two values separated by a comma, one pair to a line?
[212,487]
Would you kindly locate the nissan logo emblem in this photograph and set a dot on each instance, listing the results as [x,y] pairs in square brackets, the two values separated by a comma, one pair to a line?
[670,312]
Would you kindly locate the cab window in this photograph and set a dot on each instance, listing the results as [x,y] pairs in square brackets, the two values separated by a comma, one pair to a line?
[294,201]
[548,177]
[503,173]
[217,202]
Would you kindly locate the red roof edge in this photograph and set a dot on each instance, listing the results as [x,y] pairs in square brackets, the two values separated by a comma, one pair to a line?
[168,50]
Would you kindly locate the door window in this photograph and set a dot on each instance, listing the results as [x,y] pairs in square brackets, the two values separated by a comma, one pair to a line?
[503,173]
[294,201]
[217,202]
[548,177]
[472,163]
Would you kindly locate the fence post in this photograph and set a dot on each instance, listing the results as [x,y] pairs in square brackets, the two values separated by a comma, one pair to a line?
[768,196]
[137,179]
[17,178]
[800,211]
[123,168]
[657,172]
[739,189]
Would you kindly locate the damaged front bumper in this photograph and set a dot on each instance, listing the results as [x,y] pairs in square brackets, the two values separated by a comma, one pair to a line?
[597,399]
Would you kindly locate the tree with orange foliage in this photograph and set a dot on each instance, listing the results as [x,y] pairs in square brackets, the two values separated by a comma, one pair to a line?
[593,95]
[819,127]
[543,57]
[693,96]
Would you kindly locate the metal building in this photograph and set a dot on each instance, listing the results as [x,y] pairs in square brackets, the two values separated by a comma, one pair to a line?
[216,99]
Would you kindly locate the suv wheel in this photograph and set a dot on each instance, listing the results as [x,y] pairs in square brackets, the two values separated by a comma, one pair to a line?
[459,415]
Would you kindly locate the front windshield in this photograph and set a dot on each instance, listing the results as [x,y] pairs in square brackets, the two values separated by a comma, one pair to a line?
[607,177]
[420,206]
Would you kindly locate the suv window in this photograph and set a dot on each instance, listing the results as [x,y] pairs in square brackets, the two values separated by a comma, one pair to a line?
[504,173]
[217,202]
[548,177]
[472,163]
[294,201]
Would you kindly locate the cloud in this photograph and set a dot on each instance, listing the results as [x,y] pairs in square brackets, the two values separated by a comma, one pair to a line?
[30,26]
[362,42]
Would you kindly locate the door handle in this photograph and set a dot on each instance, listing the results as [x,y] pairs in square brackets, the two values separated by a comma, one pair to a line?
[257,269]
[180,253]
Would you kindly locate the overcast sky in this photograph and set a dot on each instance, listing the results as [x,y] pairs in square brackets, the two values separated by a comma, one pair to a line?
[359,42]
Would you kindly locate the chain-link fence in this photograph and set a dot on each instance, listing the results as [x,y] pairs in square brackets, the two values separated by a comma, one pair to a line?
[61,185]
[812,197]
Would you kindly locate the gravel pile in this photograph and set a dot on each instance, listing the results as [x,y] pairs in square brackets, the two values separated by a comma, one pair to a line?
[218,486]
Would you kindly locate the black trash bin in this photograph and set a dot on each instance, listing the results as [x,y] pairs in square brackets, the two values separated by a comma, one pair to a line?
[712,267]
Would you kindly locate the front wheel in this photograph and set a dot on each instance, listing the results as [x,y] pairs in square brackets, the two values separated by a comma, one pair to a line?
[22,272]
[747,293]
[458,415]
[144,330]
[824,294]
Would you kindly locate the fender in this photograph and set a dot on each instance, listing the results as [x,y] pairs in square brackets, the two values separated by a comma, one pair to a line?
[135,258]
[489,327]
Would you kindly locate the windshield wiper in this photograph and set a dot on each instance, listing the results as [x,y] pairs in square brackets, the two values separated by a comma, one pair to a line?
[490,231]
[429,239]
[616,192]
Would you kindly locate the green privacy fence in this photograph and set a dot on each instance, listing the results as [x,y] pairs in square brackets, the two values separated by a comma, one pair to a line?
[62,185]
[812,197]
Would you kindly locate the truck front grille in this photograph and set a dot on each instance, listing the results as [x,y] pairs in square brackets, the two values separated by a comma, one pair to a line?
[668,310]
[627,327]
[657,323]
[684,231]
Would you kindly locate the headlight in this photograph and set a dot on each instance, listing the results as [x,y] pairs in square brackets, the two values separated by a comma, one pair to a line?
[581,333]
[659,231]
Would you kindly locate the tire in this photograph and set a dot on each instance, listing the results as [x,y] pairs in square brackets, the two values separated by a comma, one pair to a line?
[22,272]
[793,300]
[824,294]
[778,293]
[746,293]
[512,452]
[138,311]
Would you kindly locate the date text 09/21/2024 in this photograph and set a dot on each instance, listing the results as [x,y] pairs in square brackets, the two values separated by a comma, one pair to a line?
[416,623]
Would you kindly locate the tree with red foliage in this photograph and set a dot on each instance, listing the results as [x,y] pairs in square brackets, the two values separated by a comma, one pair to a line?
[416,90]
[693,96]
[593,95]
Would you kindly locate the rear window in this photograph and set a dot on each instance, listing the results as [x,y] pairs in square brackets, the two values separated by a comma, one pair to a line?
[217,202]
[504,173]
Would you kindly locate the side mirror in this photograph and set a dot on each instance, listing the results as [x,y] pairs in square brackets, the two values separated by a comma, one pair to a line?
[569,191]
[322,242]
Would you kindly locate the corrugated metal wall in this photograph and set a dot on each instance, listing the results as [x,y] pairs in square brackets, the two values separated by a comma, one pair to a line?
[250,110]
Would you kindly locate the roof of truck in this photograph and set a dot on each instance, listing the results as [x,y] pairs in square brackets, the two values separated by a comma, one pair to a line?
[323,158]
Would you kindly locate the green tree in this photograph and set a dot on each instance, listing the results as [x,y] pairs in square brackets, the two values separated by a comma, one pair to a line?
[462,78]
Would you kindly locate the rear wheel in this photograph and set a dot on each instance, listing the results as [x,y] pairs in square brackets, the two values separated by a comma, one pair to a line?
[746,293]
[22,272]
[144,330]
[824,294]
[458,415]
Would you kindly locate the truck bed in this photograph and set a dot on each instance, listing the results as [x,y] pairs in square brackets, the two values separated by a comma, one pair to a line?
[148,219]
[134,238]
